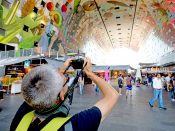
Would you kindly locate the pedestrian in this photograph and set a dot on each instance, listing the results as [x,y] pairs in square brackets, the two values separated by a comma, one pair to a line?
[120,84]
[171,88]
[157,85]
[150,80]
[81,84]
[128,86]
[168,78]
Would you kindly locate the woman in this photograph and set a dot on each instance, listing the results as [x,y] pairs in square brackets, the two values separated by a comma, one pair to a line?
[1,89]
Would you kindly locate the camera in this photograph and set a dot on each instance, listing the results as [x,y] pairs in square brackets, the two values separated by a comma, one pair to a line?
[77,64]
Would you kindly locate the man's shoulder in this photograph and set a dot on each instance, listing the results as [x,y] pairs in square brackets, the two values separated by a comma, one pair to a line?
[87,120]
[23,109]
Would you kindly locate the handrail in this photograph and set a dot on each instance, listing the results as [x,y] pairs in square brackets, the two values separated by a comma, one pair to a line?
[17,53]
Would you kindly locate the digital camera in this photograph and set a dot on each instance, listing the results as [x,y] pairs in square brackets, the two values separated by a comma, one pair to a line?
[77,64]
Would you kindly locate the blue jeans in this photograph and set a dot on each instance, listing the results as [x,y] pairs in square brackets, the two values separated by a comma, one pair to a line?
[97,89]
[81,88]
[157,95]
[172,93]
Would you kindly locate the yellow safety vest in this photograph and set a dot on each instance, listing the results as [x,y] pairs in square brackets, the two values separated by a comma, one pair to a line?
[53,125]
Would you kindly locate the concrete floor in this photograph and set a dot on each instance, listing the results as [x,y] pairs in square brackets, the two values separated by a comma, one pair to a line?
[133,114]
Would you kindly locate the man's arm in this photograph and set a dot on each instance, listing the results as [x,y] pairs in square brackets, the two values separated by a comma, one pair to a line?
[110,95]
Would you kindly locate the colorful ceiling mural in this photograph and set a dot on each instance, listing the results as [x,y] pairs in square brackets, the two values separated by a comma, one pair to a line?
[37,23]
[71,23]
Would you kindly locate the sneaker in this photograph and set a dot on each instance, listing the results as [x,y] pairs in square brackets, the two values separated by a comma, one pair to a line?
[150,105]
[164,108]
[172,99]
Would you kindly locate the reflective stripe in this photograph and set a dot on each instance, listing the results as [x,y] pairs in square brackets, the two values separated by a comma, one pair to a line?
[55,124]
[25,122]
[68,127]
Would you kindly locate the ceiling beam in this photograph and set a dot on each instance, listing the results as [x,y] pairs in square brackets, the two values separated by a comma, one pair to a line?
[103,22]
[133,22]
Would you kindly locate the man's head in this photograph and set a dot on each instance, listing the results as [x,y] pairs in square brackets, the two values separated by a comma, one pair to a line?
[41,86]
[169,75]
[158,76]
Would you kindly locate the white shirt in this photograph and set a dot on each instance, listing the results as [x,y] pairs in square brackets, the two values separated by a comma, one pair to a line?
[157,83]
[168,79]
[71,80]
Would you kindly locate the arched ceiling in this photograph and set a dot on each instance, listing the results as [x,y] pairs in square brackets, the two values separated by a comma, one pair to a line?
[118,23]
[97,27]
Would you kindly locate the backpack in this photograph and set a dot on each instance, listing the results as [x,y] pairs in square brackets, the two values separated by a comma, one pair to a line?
[120,81]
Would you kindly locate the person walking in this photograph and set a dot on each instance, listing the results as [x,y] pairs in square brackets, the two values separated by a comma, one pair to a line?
[171,88]
[120,84]
[158,86]
[128,86]
[168,78]
[150,80]
[81,84]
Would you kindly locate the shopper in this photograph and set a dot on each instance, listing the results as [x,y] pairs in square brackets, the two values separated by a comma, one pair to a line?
[171,88]
[164,83]
[1,89]
[157,85]
[42,90]
[128,86]
[150,81]
[120,84]
[168,78]
[81,84]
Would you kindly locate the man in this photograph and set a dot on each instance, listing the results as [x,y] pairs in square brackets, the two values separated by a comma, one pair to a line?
[157,85]
[168,78]
[128,86]
[171,88]
[120,84]
[81,84]
[150,80]
[43,89]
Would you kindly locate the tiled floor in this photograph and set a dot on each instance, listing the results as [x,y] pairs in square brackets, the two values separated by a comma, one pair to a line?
[133,114]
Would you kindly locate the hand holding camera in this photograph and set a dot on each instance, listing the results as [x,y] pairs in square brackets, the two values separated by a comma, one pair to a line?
[88,67]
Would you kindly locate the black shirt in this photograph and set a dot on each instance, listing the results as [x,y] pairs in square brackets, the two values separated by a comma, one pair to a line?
[87,120]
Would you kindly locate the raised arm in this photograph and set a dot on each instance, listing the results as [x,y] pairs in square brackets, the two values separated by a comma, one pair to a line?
[110,95]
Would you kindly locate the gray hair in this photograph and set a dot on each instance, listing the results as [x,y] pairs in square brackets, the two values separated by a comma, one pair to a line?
[41,86]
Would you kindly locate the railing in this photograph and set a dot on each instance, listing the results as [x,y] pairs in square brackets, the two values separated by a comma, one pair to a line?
[30,52]
[17,53]
[167,58]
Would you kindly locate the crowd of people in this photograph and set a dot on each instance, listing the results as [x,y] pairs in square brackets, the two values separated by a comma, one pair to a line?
[167,83]
[158,82]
